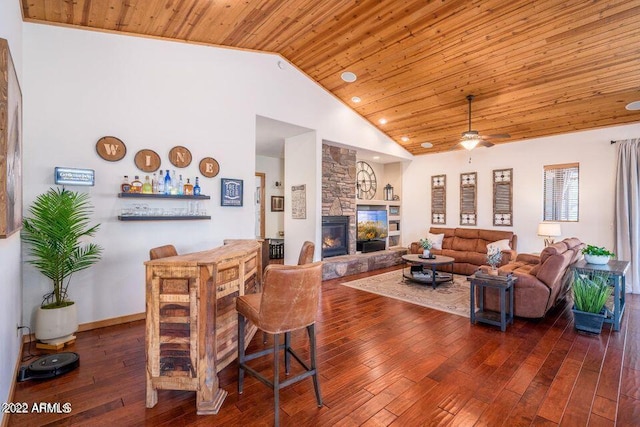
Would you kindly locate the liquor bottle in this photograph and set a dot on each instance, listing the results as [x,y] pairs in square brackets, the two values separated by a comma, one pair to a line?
[125,187]
[188,188]
[174,182]
[180,186]
[136,185]
[154,184]
[160,189]
[196,188]
[146,187]
[167,183]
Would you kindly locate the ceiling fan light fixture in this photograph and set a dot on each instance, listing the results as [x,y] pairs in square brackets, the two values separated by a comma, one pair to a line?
[470,142]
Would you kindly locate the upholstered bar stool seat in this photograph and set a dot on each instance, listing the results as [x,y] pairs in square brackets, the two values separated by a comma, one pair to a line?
[162,252]
[289,302]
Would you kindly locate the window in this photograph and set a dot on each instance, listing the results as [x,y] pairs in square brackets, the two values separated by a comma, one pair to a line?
[561,192]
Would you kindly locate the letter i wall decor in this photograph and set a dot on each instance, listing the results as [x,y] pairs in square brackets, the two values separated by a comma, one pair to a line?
[468,198]
[439,199]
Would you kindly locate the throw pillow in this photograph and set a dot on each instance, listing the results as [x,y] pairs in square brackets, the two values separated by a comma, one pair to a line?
[436,240]
[500,245]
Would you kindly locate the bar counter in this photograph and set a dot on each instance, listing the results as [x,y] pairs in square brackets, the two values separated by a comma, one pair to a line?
[191,322]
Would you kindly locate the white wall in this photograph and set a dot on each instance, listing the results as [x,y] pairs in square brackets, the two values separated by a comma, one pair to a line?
[273,168]
[303,154]
[10,248]
[592,149]
[82,85]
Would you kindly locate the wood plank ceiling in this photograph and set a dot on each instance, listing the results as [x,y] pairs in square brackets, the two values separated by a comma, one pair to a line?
[537,68]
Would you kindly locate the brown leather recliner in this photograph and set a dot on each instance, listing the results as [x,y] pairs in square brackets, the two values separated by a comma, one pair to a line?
[542,280]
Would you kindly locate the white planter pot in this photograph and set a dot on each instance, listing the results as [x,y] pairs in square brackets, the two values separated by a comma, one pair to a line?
[426,253]
[56,325]
[596,259]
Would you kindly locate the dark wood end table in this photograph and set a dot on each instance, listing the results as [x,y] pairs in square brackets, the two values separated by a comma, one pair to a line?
[504,285]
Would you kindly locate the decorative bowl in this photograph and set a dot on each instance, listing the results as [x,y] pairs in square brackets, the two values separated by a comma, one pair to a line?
[596,259]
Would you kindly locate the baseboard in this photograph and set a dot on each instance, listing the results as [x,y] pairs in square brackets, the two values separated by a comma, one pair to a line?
[98,324]
[12,388]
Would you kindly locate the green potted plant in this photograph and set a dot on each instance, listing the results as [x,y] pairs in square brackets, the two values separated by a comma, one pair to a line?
[597,254]
[55,230]
[590,293]
[426,247]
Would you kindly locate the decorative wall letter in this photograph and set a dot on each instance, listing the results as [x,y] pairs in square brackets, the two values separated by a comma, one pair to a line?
[111,148]
[439,199]
[503,197]
[468,204]
[180,157]
[209,167]
[147,160]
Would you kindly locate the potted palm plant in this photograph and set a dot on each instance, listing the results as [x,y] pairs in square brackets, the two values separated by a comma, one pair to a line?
[590,293]
[55,230]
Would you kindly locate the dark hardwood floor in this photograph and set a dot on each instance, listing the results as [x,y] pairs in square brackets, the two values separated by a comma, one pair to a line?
[382,362]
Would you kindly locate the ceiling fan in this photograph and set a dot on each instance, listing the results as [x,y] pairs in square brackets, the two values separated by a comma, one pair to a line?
[471,138]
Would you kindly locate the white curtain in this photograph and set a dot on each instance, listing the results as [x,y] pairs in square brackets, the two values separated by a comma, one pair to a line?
[627,215]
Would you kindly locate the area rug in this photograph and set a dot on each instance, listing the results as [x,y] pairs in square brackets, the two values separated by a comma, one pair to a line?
[452,297]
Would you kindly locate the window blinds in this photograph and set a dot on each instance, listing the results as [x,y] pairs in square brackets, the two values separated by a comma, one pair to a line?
[561,192]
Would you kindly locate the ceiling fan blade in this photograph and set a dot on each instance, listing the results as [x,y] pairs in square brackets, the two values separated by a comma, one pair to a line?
[499,136]
[485,144]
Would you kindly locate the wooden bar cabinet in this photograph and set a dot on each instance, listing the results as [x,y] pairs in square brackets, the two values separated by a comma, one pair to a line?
[191,323]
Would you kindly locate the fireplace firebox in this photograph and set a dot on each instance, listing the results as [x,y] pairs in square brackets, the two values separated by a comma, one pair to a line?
[335,236]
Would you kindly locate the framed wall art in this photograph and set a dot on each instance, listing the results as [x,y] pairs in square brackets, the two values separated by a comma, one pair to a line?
[468,198]
[10,145]
[299,201]
[277,203]
[439,199]
[503,197]
[231,192]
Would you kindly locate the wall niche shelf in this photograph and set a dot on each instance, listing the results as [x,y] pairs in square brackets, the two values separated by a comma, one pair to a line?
[163,217]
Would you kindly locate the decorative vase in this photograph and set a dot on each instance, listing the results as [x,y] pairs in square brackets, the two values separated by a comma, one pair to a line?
[588,322]
[56,325]
[596,259]
[426,253]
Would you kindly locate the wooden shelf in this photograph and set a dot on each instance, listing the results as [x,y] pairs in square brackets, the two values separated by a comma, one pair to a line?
[163,196]
[163,218]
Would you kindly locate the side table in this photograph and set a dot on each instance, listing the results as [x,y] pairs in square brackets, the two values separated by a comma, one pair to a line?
[617,269]
[504,285]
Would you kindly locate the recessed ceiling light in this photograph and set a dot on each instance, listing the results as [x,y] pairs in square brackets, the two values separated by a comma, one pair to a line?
[382,121]
[405,138]
[426,145]
[633,106]
[348,77]
[356,99]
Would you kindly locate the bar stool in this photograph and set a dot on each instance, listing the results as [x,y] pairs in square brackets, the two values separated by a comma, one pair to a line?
[306,253]
[162,252]
[289,302]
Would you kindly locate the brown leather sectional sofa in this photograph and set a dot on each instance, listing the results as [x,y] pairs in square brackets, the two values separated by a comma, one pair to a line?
[542,280]
[468,246]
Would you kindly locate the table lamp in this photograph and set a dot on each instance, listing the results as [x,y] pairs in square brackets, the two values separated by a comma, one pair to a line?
[549,230]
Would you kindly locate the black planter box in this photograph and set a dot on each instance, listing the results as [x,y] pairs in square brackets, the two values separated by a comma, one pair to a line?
[588,322]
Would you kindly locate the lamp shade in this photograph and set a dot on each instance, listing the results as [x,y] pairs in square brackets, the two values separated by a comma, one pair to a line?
[549,229]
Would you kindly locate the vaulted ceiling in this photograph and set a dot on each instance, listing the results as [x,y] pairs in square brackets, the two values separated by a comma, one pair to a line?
[537,68]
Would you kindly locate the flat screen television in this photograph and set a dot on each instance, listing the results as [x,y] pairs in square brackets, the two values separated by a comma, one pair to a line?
[372,224]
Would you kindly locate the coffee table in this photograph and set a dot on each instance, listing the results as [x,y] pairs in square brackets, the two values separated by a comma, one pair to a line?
[427,275]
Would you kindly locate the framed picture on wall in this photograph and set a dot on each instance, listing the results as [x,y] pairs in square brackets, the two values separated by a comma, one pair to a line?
[277,203]
[10,145]
[231,192]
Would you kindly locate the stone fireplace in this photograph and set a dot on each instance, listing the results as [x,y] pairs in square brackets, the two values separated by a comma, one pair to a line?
[339,189]
[335,236]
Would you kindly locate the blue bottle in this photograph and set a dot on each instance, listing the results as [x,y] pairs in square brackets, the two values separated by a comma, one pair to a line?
[196,188]
[167,183]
